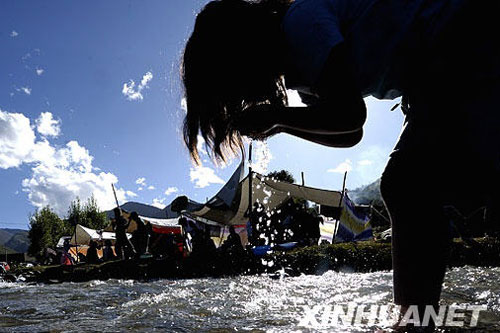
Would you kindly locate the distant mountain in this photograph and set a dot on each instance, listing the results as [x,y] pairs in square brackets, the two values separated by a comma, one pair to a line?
[5,235]
[4,249]
[15,240]
[141,209]
[368,194]
[154,212]
[19,242]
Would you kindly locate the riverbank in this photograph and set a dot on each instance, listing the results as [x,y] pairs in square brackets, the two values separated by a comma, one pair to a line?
[373,256]
[367,256]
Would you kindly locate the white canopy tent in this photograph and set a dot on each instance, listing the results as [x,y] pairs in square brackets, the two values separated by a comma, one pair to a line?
[164,226]
[84,235]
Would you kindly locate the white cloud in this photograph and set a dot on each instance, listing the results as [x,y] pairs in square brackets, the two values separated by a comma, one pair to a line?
[159,203]
[141,181]
[171,190]
[377,156]
[200,145]
[261,157]
[140,188]
[134,93]
[145,79]
[26,56]
[204,176]
[131,194]
[294,98]
[59,174]
[343,167]
[151,187]
[184,106]
[39,71]
[17,139]
[25,90]
[14,34]
[365,162]
[46,125]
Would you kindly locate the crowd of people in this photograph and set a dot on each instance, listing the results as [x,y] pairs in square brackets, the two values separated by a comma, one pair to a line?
[124,247]
[201,242]
[293,222]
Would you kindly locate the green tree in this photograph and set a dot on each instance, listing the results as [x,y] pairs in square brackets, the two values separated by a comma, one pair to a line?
[282,175]
[75,213]
[94,217]
[88,215]
[45,230]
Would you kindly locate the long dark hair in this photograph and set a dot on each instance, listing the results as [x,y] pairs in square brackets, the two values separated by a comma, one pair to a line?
[232,60]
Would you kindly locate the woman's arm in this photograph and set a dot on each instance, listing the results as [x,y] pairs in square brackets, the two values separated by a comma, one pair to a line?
[331,140]
[339,111]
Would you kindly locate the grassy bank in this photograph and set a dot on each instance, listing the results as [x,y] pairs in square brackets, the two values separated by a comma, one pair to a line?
[376,256]
[351,257]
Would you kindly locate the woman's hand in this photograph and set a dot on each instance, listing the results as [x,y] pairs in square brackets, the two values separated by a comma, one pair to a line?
[257,122]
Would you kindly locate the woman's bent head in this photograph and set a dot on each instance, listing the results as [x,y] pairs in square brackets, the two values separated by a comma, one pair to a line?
[233,60]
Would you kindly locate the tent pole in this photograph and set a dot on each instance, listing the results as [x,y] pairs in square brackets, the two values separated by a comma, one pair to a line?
[221,235]
[303,181]
[116,198]
[76,247]
[250,205]
[250,183]
[379,213]
[340,208]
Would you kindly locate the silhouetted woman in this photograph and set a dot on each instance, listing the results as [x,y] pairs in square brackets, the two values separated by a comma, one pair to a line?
[442,56]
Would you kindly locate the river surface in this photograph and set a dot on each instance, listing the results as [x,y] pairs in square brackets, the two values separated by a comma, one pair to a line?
[240,304]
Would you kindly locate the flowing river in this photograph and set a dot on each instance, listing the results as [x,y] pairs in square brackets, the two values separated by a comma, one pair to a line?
[239,304]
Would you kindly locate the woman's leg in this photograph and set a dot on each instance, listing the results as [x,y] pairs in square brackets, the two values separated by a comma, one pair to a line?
[419,229]
[449,154]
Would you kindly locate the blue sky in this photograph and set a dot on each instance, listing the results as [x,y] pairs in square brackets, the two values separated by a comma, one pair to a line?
[90,95]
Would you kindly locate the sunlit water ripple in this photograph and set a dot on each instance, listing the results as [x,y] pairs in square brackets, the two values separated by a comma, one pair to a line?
[243,304]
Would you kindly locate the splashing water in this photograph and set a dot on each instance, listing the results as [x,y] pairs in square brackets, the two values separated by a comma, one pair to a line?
[245,303]
[262,157]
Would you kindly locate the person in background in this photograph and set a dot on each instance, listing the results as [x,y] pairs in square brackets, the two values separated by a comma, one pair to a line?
[123,246]
[198,243]
[92,255]
[49,256]
[209,242]
[232,245]
[171,249]
[141,235]
[107,251]
[66,257]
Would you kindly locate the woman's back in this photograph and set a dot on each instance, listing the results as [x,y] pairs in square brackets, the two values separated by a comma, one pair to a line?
[384,37]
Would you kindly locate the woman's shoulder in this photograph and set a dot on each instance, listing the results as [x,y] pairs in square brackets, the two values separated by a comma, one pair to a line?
[302,8]
[311,29]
